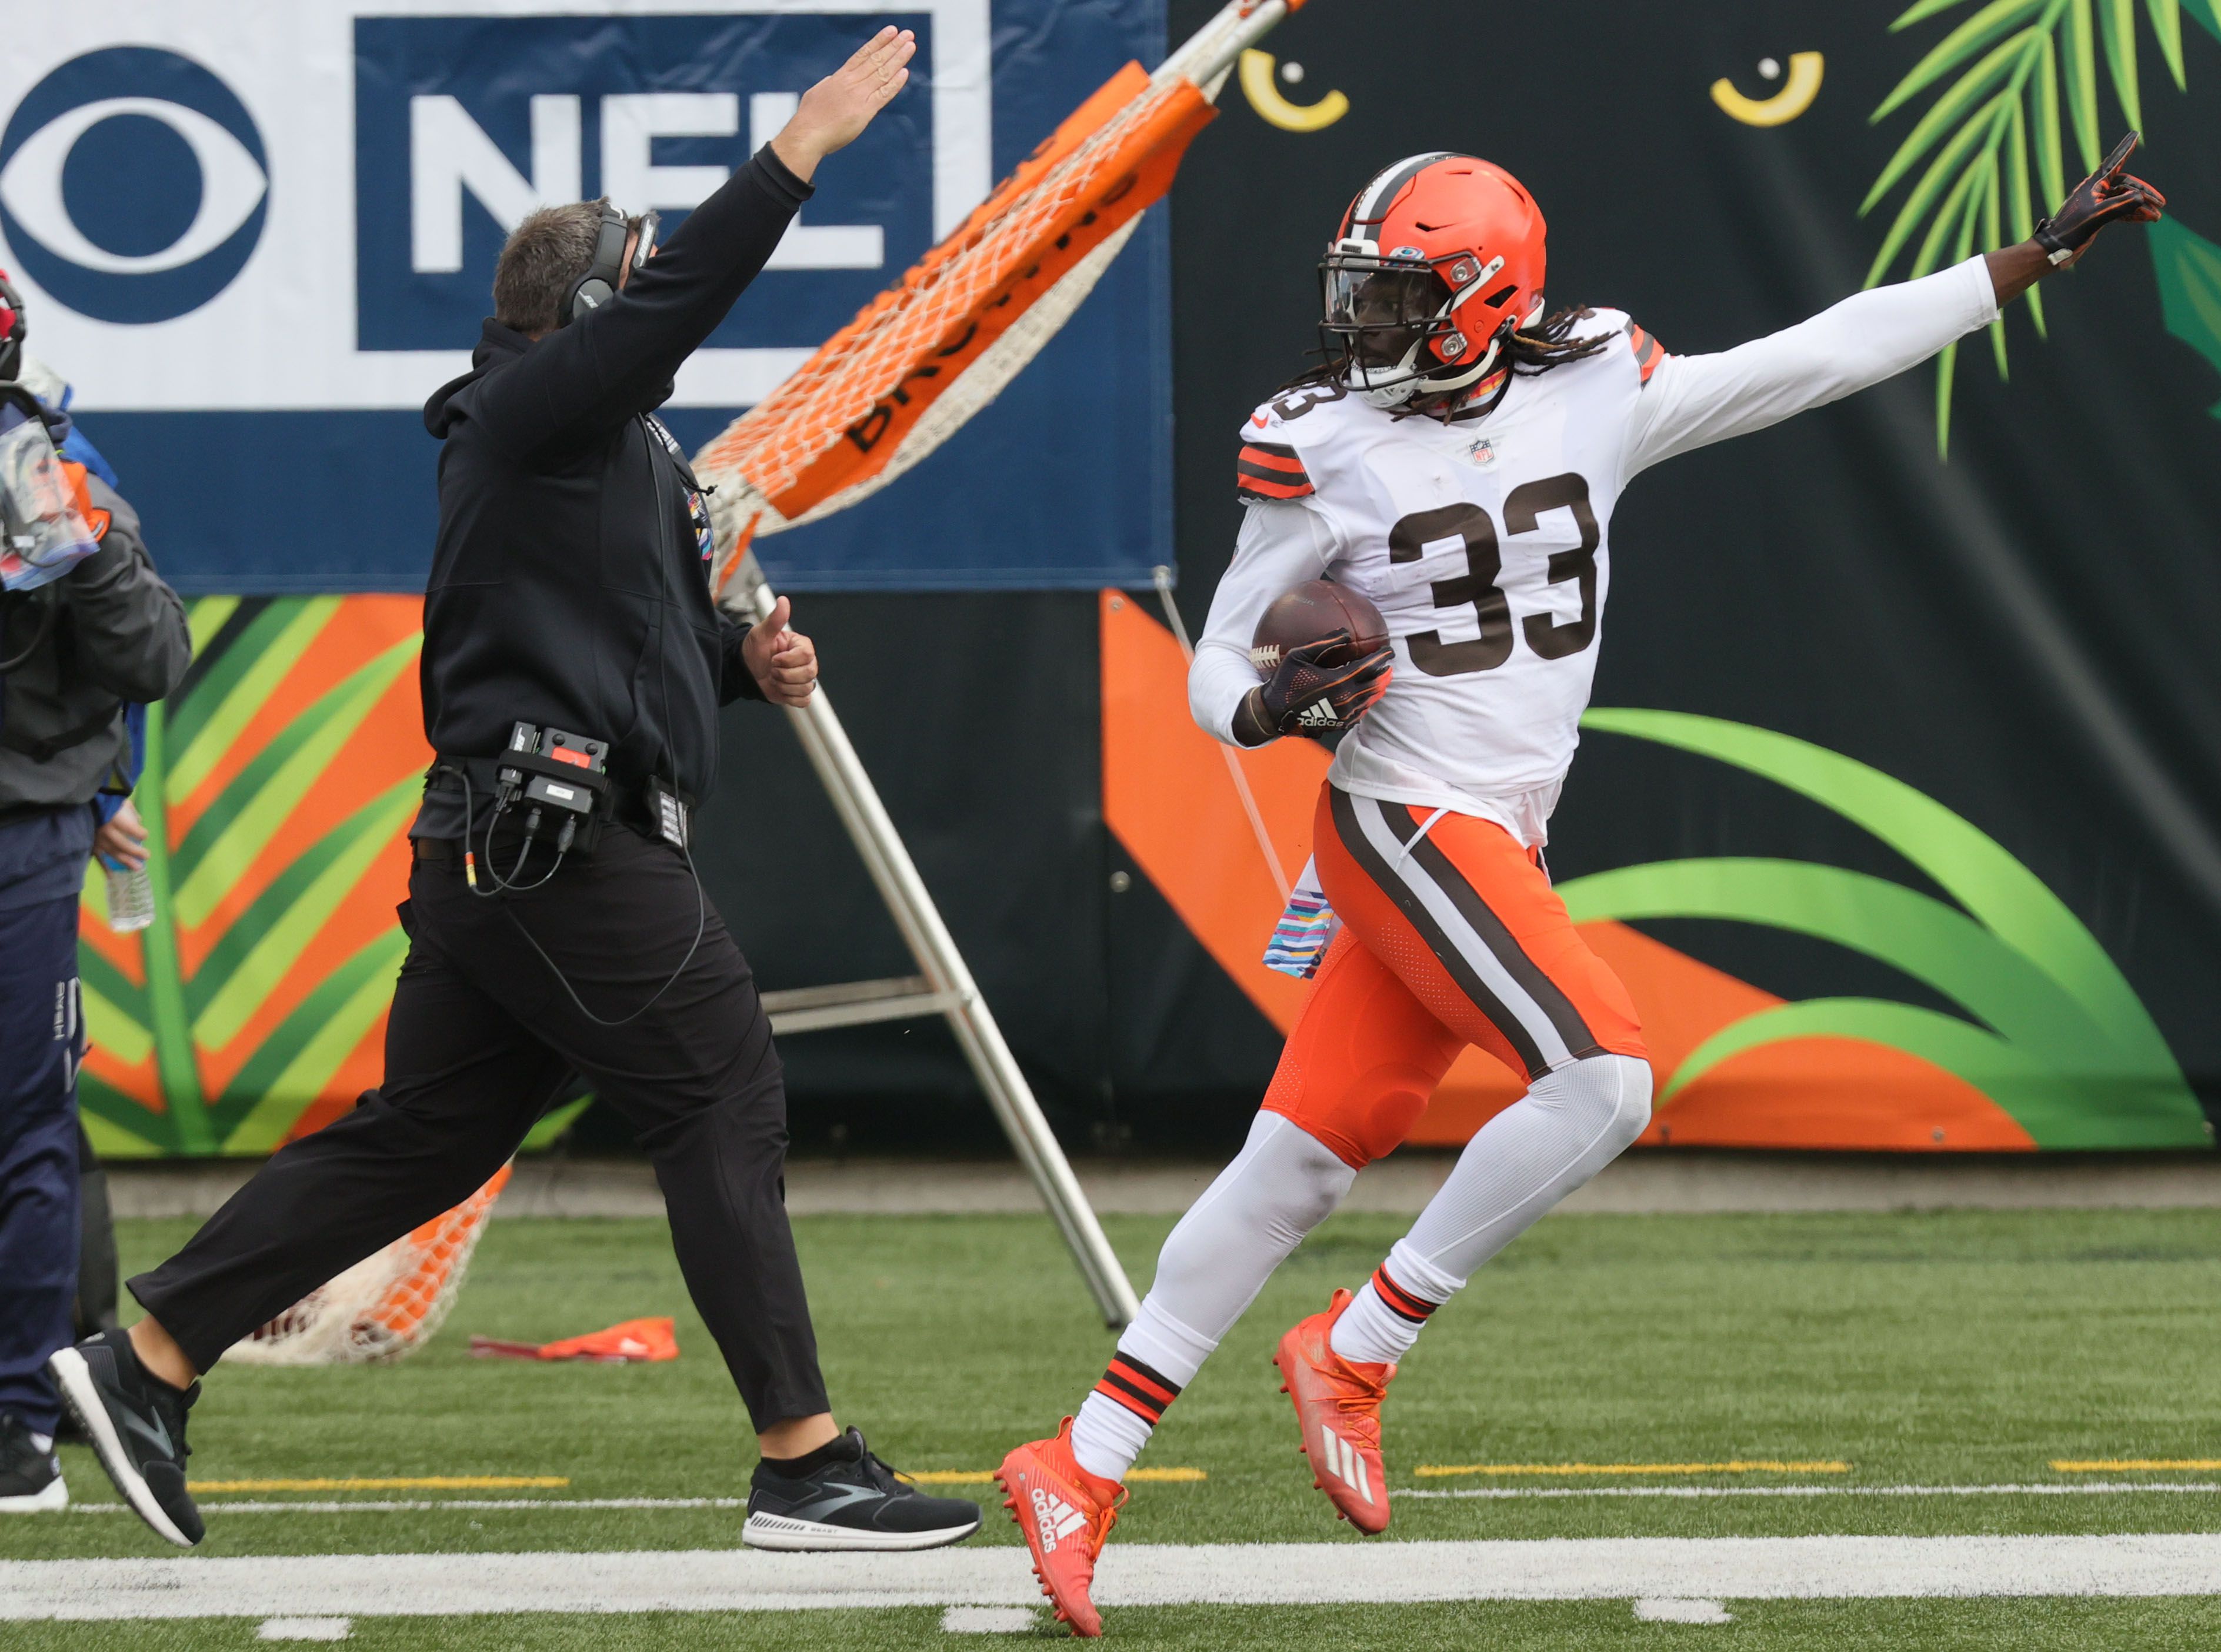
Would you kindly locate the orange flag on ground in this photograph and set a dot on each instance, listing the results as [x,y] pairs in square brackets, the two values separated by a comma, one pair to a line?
[633,1342]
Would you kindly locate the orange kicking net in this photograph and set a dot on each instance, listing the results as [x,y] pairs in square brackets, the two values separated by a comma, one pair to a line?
[387,1306]
[922,357]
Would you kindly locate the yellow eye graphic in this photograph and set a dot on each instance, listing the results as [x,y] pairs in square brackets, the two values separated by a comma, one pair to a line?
[1795,96]
[1264,97]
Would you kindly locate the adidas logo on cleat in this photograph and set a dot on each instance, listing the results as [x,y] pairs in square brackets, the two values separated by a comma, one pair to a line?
[1054,1518]
[1344,1463]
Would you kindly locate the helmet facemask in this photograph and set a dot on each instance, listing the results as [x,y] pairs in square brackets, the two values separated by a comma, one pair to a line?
[1388,326]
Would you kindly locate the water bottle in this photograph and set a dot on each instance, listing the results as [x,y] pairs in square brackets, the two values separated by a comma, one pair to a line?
[130,897]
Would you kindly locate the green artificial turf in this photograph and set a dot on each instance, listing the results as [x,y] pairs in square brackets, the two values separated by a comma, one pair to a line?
[2178,1625]
[1952,1348]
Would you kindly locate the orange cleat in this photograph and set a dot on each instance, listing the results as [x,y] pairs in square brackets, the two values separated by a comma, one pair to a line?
[1338,1409]
[1066,1513]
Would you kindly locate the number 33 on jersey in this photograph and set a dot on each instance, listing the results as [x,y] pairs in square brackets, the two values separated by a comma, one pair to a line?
[1483,541]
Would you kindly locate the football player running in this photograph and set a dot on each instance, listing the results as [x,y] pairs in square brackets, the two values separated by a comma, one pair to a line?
[1456,461]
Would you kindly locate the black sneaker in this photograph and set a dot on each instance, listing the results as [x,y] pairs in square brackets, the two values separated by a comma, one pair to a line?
[137,1424]
[31,1480]
[853,1501]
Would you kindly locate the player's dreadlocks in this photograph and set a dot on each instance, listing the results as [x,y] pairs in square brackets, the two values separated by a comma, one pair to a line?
[1524,355]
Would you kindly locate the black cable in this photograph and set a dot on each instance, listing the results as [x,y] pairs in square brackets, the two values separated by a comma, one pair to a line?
[502,885]
[701,912]
[701,928]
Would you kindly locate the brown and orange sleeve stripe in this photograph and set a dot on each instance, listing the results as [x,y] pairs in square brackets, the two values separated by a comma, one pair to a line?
[1647,352]
[1267,470]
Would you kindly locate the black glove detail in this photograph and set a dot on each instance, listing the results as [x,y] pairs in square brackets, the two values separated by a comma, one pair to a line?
[2107,194]
[1310,695]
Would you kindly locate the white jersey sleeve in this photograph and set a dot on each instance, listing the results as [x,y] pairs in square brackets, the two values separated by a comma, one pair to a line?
[1689,402]
[1283,543]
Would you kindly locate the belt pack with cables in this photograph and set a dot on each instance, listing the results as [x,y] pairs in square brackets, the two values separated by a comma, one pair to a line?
[558,782]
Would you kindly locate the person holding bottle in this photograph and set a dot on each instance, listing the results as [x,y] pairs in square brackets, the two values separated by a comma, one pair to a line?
[87,629]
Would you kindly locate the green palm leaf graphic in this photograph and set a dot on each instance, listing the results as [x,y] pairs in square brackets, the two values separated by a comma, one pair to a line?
[199,1001]
[1992,139]
[2189,268]
[2054,1034]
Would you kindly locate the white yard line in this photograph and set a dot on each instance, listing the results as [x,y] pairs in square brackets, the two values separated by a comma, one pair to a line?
[2084,1488]
[404,1505]
[656,1504]
[1710,1569]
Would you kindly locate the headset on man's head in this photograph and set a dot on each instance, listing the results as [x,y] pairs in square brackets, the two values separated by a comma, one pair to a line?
[599,283]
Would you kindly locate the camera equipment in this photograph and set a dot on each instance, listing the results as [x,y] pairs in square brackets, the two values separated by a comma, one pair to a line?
[12,330]
[45,527]
[599,283]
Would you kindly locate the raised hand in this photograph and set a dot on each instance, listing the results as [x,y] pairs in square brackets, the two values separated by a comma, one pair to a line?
[2107,195]
[835,111]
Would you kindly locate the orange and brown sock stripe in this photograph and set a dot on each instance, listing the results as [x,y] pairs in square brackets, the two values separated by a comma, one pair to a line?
[1139,1388]
[1400,1302]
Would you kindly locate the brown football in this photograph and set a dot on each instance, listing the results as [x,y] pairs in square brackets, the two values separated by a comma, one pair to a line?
[1314,610]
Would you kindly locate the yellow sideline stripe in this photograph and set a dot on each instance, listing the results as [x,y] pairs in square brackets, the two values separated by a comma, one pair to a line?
[1756,1466]
[986,1476]
[2108,1464]
[419,1483]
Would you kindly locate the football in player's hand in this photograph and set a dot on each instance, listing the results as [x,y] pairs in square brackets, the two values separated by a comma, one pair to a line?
[1314,611]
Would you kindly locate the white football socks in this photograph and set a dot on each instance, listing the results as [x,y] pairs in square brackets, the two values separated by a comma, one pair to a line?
[1283,1184]
[1570,1125]
[1387,1315]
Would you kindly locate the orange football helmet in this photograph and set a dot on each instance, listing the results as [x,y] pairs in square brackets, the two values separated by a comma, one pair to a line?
[1437,260]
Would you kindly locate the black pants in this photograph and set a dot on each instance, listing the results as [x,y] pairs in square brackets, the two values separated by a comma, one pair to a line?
[481,1037]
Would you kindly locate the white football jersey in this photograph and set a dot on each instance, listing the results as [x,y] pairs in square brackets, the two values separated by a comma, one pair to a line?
[1486,540]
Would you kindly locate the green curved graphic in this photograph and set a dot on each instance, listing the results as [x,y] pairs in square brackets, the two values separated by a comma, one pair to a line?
[2053,1033]
[1989,152]
[2189,269]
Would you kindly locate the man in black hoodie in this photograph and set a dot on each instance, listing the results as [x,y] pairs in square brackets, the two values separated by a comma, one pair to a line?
[568,592]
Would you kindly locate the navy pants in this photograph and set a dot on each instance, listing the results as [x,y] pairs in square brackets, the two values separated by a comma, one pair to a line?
[41,1041]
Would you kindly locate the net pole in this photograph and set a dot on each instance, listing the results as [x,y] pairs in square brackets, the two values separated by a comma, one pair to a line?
[872,830]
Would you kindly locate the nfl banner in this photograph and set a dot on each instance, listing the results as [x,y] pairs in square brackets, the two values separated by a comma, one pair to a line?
[255,237]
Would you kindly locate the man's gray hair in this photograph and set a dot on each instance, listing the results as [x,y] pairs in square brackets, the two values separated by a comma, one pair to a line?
[544,259]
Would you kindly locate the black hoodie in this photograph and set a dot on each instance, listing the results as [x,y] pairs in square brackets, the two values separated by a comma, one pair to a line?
[569,588]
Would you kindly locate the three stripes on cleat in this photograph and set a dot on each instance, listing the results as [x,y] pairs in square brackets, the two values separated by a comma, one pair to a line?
[1345,1462]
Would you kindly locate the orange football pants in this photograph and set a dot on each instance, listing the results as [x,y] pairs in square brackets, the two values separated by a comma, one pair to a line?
[1451,936]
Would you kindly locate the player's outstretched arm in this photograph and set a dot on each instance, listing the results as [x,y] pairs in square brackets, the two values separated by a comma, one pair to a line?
[1688,402]
[2110,195]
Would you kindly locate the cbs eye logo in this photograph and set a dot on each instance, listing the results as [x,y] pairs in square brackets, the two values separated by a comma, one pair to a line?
[132,185]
